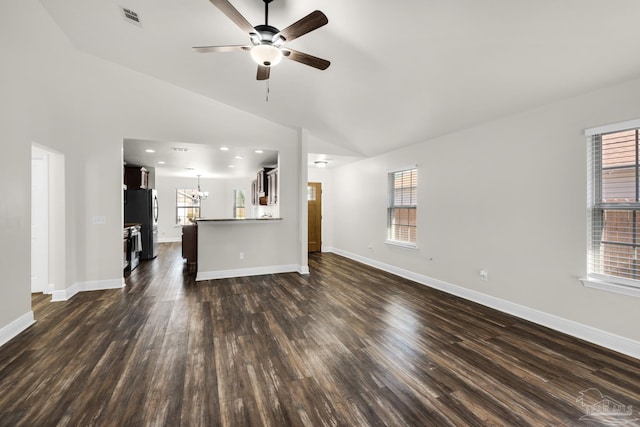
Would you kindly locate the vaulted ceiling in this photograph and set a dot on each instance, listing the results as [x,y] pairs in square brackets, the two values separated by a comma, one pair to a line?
[401,72]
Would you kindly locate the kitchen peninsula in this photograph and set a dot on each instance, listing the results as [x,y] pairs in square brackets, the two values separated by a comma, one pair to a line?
[229,247]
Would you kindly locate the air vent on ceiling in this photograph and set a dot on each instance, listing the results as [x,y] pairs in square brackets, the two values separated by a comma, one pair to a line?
[179,149]
[131,16]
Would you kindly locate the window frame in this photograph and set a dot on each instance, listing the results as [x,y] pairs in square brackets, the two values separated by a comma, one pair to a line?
[597,208]
[392,207]
[194,204]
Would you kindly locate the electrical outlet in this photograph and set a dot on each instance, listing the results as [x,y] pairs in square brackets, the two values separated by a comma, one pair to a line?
[99,219]
[241,255]
[484,275]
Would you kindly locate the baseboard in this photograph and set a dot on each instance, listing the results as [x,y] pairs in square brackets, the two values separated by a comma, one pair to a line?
[254,271]
[15,327]
[170,239]
[569,327]
[303,269]
[95,285]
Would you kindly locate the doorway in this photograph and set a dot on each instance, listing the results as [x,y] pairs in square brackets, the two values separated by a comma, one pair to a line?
[314,200]
[39,220]
[48,258]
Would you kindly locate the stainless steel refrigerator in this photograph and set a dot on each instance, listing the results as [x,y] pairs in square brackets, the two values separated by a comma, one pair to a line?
[141,206]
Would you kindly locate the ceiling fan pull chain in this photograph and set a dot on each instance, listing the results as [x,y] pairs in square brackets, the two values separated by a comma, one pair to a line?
[267,90]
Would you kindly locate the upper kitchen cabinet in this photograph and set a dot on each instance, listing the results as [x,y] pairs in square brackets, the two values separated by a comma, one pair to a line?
[265,188]
[272,187]
[136,177]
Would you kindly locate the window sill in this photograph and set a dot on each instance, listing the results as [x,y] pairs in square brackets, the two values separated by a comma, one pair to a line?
[402,244]
[610,287]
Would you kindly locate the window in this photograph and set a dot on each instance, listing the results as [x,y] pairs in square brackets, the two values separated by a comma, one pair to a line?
[187,206]
[401,213]
[238,205]
[614,204]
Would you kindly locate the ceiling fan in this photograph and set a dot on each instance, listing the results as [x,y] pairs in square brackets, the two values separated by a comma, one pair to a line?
[267,42]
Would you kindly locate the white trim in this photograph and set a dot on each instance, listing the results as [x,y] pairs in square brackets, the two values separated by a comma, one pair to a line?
[569,327]
[254,271]
[94,285]
[610,287]
[304,269]
[614,127]
[170,239]
[15,327]
[400,243]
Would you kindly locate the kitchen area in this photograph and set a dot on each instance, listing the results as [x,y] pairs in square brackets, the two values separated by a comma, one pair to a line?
[141,215]
[237,184]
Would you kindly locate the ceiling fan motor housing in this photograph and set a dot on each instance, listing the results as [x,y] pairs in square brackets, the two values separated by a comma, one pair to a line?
[265,35]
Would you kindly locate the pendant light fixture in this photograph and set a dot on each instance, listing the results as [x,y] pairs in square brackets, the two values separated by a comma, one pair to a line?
[200,195]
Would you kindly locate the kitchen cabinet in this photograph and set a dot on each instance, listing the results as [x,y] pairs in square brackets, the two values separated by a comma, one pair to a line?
[272,187]
[190,244]
[136,177]
[262,186]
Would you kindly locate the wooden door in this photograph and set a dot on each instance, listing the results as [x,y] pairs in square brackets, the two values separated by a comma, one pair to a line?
[314,198]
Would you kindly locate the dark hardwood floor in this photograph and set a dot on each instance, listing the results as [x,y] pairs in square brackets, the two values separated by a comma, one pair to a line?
[347,345]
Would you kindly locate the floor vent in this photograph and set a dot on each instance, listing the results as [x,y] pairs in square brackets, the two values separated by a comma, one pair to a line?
[131,16]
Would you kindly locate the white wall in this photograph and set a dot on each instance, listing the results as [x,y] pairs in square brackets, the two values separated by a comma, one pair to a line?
[84,107]
[508,196]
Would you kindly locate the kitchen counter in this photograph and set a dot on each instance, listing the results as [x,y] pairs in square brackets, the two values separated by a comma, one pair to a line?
[231,247]
[203,220]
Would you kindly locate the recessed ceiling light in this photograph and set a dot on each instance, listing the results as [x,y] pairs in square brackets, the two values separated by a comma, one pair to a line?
[224,148]
[239,157]
[259,151]
[149,150]
[232,166]
[161,162]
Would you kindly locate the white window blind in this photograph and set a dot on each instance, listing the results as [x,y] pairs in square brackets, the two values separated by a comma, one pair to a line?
[403,202]
[614,206]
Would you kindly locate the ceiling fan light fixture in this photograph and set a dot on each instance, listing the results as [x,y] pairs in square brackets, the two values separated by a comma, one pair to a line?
[278,41]
[256,38]
[266,55]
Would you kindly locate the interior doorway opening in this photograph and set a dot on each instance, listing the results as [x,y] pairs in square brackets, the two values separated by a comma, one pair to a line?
[47,220]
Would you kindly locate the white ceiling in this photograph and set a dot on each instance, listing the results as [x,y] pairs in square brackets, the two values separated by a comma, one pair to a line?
[191,160]
[401,72]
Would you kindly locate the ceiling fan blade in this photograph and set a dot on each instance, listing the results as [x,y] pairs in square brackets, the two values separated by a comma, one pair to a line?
[312,21]
[230,48]
[233,14]
[306,59]
[263,72]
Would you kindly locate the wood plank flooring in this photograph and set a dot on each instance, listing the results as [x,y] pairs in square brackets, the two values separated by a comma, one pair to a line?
[347,345]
